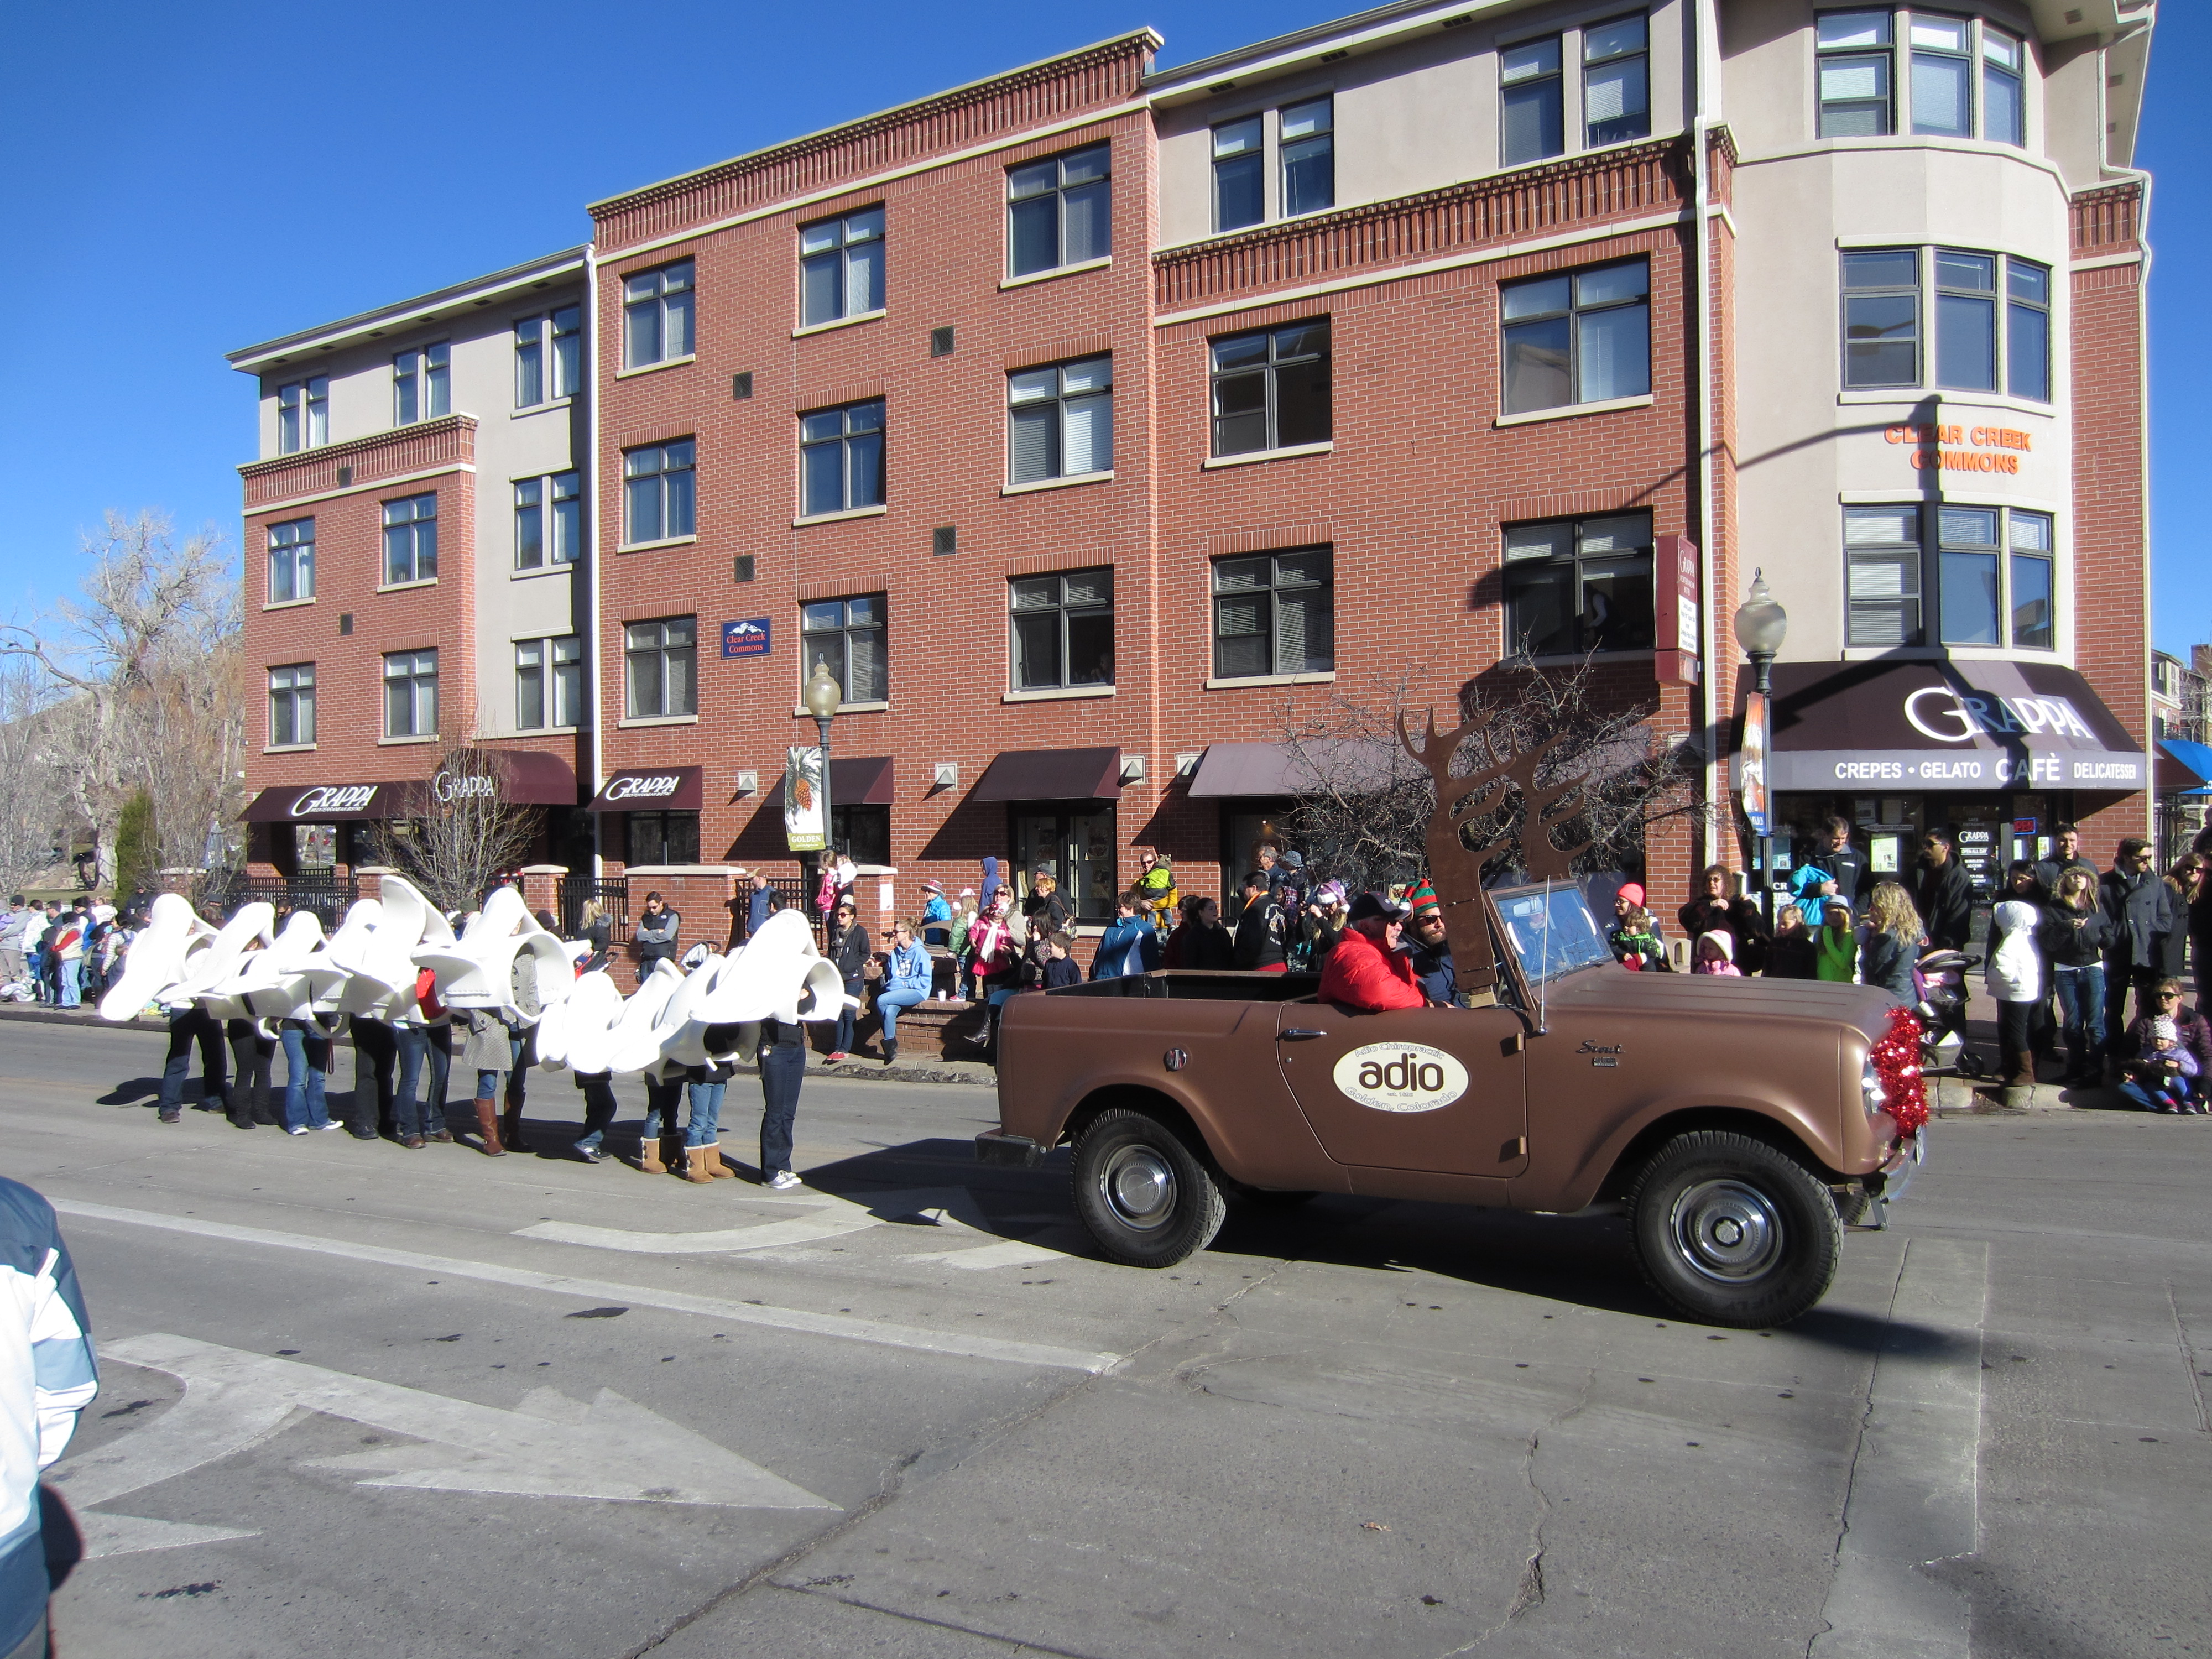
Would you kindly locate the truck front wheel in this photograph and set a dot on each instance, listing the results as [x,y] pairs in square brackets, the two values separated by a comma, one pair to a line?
[1145,1194]
[1730,1231]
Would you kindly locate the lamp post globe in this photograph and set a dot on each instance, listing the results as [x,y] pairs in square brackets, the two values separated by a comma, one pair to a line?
[823,696]
[1761,625]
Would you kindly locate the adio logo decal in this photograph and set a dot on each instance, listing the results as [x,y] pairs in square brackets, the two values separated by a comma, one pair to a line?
[1400,1077]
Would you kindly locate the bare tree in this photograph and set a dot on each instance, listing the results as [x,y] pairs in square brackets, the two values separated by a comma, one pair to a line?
[467,833]
[31,805]
[1547,742]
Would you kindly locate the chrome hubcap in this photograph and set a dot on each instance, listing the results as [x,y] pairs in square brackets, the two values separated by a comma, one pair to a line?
[1726,1231]
[1139,1186]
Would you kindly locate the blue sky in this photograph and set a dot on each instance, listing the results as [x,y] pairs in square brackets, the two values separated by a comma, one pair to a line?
[187,179]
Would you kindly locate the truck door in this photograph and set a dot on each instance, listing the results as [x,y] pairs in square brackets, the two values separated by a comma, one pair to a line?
[1438,1089]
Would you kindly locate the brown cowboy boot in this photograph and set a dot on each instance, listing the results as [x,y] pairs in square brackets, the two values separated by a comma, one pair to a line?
[698,1160]
[487,1130]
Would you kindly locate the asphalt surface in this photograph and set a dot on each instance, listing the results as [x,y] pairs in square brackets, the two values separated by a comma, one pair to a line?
[358,1399]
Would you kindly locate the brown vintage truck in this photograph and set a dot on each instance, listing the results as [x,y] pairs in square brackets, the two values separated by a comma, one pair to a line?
[1738,1122]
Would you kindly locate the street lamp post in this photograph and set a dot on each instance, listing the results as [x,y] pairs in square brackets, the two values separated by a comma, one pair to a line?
[1760,626]
[824,697]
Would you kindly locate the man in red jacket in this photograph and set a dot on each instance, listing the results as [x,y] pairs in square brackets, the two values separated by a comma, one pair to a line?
[1367,972]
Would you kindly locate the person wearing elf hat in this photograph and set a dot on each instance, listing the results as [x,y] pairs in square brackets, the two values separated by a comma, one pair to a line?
[1432,956]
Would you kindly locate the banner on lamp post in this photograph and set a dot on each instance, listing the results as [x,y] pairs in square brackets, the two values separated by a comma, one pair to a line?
[805,829]
[1750,764]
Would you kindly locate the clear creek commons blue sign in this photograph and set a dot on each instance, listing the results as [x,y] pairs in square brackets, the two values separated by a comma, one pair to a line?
[745,639]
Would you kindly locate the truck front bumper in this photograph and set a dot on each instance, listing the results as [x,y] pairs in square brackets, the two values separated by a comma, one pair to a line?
[1009,1152]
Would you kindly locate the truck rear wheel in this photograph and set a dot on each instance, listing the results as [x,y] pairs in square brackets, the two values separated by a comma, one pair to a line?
[1143,1192]
[1730,1231]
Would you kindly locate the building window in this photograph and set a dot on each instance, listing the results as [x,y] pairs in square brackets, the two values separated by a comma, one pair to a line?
[1275,613]
[421,384]
[1616,83]
[411,694]
[1993,576]
[1075,842]
[1533,105]
[1308,141]
[2004,108]
[1881,302]
[1582,337]
[840,267]
[1063,630]
[548,682]
[1240,173]
[651,838]
[848,636]
[1576,585]
[1855,69]
[1060,211]
[303,415]
[292,706]
[661,668]
[291,561]
[1060,420]
[549,520]
[1881,573]
[561,335]
[1271,388]
[410,540]
[659,492]
[1942,77]
[841,458]
[656,315]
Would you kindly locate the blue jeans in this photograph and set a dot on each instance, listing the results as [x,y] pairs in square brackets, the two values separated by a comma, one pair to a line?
[888,1004]
[662,1099]
[782,1069]
[306,1065]
[2164,1100]
[705,1128]
[844,1042]
[2081,1005]
[599,1108]
[69,974]
[422,1050]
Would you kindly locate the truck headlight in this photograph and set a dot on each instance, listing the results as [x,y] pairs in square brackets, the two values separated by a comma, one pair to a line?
[1877,1097]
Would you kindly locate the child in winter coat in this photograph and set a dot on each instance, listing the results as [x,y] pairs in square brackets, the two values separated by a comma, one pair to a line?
[1059,970]
[1838,945]
[2160,1079]
[1715,953]
[1635,943]
[1795,953]
[2015,977]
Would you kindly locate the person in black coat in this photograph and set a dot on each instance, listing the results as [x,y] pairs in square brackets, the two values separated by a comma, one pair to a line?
[1714,911]
[1945,898]
[2145,913]
[2065,854]
[850,949]
[1843,871]
[2075,938]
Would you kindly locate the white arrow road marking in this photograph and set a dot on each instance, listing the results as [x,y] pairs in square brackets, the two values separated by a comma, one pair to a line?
[833,1218]
[963,1344]
[549,1447]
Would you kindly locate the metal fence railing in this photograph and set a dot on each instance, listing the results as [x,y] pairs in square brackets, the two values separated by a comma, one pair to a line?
[328,896]
[613,893]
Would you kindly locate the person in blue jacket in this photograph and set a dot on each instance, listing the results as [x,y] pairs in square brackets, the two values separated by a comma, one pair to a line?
[1131,945]
[906,982]
[936,914]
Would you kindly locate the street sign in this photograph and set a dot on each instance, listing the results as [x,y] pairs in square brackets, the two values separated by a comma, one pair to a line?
[1676,618]
[749,638]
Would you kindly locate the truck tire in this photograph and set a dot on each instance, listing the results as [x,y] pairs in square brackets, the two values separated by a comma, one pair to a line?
[1730,1231]
[1145,1194]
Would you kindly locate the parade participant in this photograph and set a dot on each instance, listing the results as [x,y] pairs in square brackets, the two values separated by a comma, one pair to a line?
[375,1069]
[422,1039]
[190,1024]
[1367,972]
[1431,951]
[306,1075]
[702,1138]
[493,1046]
[662,1094]
[251,1053]
[782,1062]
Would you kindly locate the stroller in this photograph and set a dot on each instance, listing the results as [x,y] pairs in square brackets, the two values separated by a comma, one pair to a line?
[1939,980]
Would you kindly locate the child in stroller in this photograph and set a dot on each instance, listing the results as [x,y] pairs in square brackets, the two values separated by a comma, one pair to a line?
[1939,980]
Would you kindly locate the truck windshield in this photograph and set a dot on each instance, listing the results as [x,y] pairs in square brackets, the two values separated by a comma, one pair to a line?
[1551,929]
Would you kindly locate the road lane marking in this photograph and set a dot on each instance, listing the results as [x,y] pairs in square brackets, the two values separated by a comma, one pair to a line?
[1915,1481]
[1011,1253]
[960,1344]
[832,1218]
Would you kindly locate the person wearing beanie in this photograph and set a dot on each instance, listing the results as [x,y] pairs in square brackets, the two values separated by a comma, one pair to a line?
[1634,940]
[1367,972]
[1715,953]
[1431,951]
[2168,1050]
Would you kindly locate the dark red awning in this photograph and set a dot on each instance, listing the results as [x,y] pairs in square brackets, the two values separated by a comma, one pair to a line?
[1052,774]
[326,803]
[652,789]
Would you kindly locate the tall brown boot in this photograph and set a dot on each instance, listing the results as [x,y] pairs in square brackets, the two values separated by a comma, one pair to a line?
[510,1130]
[648,1155]
[487,1130]
[697,1168]
[715,1167]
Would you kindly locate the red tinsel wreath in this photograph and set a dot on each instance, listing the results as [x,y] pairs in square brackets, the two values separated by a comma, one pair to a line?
[1897,1064]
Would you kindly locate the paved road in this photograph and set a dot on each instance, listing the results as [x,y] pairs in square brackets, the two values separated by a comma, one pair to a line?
[360,1400]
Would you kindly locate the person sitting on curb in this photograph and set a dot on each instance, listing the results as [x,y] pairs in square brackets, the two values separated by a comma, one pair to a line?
[1367,972]
[2161,1075]
[905,983]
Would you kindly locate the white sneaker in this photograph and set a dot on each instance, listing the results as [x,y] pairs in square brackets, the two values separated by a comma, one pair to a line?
[332,1124]
[783,1180]
[297,1129]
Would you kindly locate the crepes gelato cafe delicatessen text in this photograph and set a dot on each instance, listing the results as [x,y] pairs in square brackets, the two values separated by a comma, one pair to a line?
[1998,752]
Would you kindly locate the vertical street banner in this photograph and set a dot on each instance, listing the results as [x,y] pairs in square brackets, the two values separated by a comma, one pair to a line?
[1750,764]
[805,828]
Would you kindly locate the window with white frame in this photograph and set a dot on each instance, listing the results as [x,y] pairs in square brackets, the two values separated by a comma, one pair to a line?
[848,636]
[1866,54]
[1063,629]
[1576,585]
[548,682]
[1991,570]
[1240,173]
[410,539]
[1274,613]
[1308,136]
[1616,81]
[1060,211]
[303,415]
[1305,138]
[549,357]
[292,706]
[1271,388]
[657,320]
[841,458]
[661,668]
[291,562]
[840,267]
[1060,420]
[549,520]
[411,694]
[1582,336]
[421,384]
[1532,103]
[659,491]
[1991,315]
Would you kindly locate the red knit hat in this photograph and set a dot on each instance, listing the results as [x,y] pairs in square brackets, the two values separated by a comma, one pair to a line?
[1423,897]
